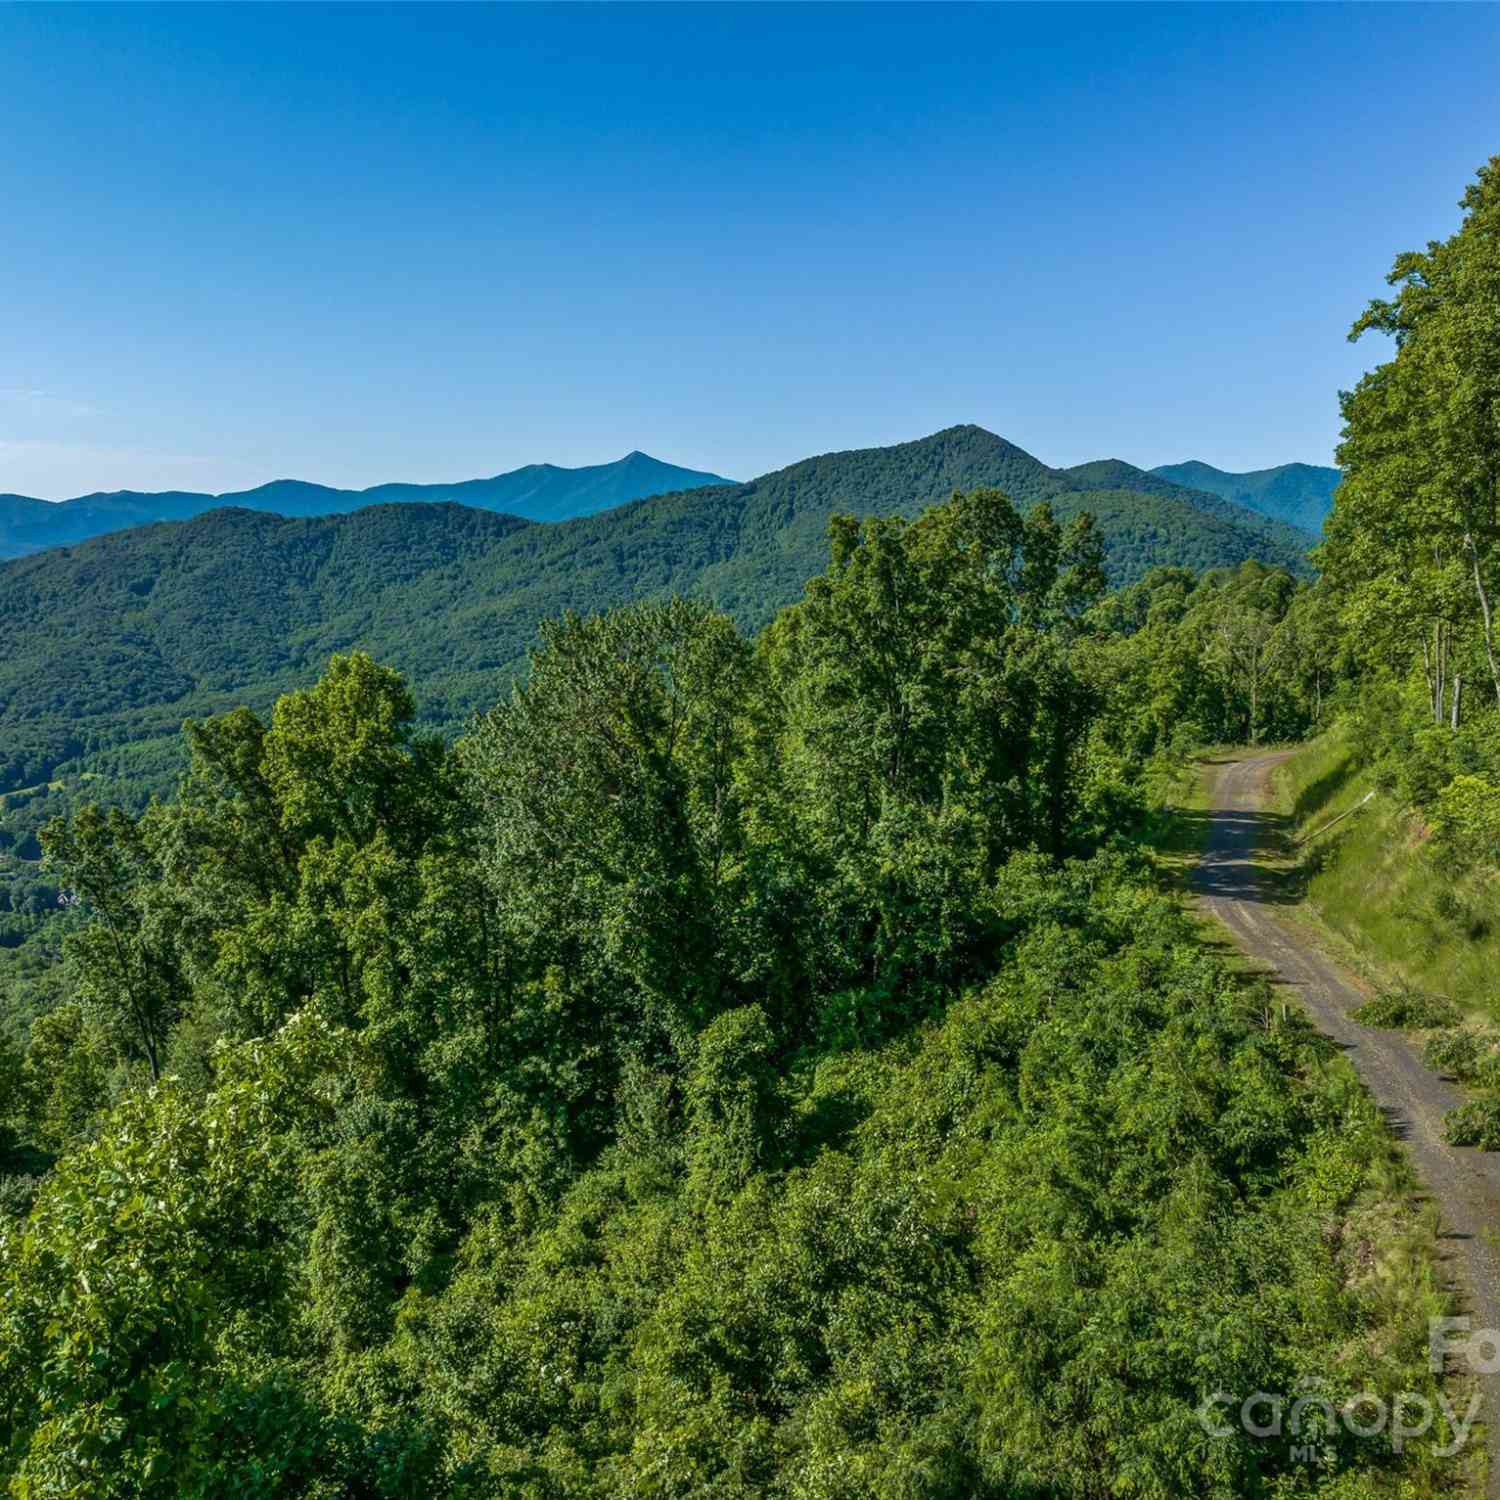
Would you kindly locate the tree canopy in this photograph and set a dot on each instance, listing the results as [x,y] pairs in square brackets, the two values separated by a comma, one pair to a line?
[736,1067]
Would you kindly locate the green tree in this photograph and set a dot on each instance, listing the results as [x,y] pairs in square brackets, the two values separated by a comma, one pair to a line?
[125,962]
[64,1085]
[1420,452]
[731,1102]
[924,716]
[612,841]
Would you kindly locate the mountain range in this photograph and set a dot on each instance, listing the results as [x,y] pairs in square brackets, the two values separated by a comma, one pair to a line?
[105,647]
[537,492]
[1297,494]
[1300,494]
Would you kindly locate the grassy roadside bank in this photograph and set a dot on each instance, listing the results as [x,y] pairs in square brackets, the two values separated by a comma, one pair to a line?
[1368,885]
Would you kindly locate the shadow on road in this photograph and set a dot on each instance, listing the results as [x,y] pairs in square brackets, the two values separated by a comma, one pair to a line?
[1236,846]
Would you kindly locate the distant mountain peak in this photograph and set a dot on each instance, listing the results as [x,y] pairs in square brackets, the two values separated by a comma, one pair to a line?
[1297,493]
[535,492]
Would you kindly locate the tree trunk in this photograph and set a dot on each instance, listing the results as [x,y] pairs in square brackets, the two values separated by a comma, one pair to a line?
[1442,672]
[1437,672]
[1484,610]
[1458,687]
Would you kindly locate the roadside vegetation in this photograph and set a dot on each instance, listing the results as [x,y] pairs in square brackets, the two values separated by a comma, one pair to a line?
[1410,872]
[1414,918]
[1422,925]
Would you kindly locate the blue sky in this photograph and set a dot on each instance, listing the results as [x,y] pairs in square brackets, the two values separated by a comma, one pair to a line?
[426,243]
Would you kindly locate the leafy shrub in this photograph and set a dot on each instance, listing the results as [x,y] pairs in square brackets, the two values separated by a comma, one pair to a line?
[1469,1053]
[1426,767]
[17,1194]
[1403,1009]
[1476,1123]
[1466,822]
[1462,912]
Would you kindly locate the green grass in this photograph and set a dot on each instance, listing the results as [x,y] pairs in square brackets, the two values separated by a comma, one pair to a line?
[1370,882]
[1176,827]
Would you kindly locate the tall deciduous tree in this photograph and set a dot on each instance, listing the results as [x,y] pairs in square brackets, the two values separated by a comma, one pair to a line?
[125,960]
[1420,504]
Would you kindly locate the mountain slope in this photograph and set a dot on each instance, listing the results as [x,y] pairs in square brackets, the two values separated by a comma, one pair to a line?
[105,647]
[1299,494]
[538,492]
[1116,474]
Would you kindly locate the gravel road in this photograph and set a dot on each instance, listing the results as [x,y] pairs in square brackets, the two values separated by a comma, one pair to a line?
[1464,1184]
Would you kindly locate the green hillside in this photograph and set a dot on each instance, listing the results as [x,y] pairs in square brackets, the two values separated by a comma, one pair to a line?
[1299,494]
[1291,539]
[106,647]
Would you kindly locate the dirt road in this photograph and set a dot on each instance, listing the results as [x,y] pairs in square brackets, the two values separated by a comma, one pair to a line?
[1464,1184]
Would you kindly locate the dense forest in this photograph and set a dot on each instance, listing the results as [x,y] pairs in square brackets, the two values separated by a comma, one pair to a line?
[733,1068]
[758,1055]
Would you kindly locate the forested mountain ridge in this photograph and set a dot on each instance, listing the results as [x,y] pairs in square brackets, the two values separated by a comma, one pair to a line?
[1298,494]
[537,492]
[115,641]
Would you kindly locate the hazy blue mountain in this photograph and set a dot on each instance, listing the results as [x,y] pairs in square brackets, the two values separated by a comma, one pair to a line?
[1116,474]
[1299,494]
[538,492]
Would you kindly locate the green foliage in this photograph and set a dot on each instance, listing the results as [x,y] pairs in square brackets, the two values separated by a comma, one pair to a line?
[1412,542]
[1403,1009]
[20,1164]
[64,1085]
[142,1347]
[1466,821]
[607,786]
[731,1104]
[926,722]
[1181,661]
[123,961]
[1475,1122]
[1470,1053]
[736,1069]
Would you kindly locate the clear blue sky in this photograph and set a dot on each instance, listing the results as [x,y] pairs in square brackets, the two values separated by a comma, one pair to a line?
[356,245]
